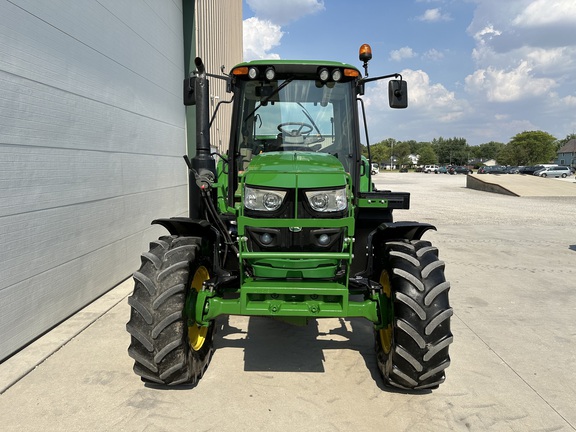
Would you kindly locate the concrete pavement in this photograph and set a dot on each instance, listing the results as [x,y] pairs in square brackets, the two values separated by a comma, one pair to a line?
[510,261]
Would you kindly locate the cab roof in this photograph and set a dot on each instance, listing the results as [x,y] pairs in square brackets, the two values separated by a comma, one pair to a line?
[295,63]
[305,69]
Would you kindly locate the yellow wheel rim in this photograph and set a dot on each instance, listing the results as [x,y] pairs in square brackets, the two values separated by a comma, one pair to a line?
[196,333]
[386,333]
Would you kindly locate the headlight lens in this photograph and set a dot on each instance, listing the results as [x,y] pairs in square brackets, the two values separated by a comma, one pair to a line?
[263,200]
[327,200]
[337,75]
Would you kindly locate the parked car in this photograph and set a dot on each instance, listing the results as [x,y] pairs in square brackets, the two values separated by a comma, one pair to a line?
[431,169]
[442,170]
[512,170]
[459,170]
[555,171]
[529,170]
[374,168]
[495,169]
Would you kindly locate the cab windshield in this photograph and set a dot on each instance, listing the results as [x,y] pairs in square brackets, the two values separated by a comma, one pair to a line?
[297,115]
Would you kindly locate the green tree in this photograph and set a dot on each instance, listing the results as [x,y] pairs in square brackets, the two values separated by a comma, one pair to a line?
[529,148]
[451,150]
[489,150]
[414,146]
[379,153]
[402,150]
[506,157]
[562,142]
[427,155]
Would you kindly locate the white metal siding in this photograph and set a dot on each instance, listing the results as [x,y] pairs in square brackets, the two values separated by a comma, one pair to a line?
[219,43]
[91,139]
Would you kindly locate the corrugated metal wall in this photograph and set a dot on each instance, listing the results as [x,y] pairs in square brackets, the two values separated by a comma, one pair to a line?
[92,130]
[219,43]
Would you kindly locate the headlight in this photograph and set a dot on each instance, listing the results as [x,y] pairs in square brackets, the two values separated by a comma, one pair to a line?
[327,200]
[263,200]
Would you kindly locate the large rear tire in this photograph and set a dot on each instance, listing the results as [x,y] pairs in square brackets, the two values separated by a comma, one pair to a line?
[166,347]
[412,348]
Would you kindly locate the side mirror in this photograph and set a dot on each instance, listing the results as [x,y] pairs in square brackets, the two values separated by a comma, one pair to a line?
[189,96]
[398,94]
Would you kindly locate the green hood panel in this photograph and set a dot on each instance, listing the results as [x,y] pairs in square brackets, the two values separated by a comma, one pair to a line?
[295,169]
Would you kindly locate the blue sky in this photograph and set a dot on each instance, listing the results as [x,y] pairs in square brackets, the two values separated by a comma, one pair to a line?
[483,70]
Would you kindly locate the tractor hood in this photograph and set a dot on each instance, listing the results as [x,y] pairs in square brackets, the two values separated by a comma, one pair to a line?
[295,170]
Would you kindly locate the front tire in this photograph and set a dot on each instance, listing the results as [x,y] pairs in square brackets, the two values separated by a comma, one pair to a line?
[166,347]
[412,346]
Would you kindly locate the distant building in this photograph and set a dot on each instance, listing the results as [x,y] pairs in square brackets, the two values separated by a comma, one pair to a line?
[567,154]
[482,161]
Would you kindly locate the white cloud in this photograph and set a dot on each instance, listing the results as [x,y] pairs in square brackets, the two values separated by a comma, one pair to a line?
[402,53]
[429,101]
[487,32]
[263,32]
[434,54]
[432,111]
[508,85]
[427,97]
[547,12]
[552,61]
[524,49]
[285,11]
[569,101]
[260,36]
[434,15]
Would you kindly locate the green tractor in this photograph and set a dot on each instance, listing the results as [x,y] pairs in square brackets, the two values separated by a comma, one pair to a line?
[289,225]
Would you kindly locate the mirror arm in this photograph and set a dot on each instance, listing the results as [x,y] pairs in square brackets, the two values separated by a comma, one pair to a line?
[216,110]
[227,78]
[365,80]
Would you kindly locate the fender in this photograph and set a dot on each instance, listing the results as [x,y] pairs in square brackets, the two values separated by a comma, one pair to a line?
[388,231]
[187,227]
[399,230]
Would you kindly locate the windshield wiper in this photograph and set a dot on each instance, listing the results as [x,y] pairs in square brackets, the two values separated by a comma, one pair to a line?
[307,114]
[265,101]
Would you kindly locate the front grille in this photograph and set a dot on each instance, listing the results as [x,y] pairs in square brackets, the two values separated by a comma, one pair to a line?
[289,240]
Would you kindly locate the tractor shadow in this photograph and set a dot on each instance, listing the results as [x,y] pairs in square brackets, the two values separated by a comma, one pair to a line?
[272,345]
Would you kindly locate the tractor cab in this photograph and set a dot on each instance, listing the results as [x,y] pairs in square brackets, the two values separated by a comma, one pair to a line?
[295,107]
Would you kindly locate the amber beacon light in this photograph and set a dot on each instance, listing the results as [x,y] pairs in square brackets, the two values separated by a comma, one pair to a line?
[365,55]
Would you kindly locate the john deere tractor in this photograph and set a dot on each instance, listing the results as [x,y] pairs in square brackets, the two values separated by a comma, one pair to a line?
[289,225]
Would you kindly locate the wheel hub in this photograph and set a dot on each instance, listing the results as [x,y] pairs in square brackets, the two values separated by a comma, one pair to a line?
[196,333]
[385,334]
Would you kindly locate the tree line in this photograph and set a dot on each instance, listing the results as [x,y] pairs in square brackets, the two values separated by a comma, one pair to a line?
[525,148]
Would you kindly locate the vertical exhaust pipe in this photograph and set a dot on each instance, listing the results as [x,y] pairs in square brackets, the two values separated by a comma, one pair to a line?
[203,166]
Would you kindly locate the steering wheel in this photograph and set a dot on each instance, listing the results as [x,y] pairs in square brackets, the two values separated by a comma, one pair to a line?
[303,130]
